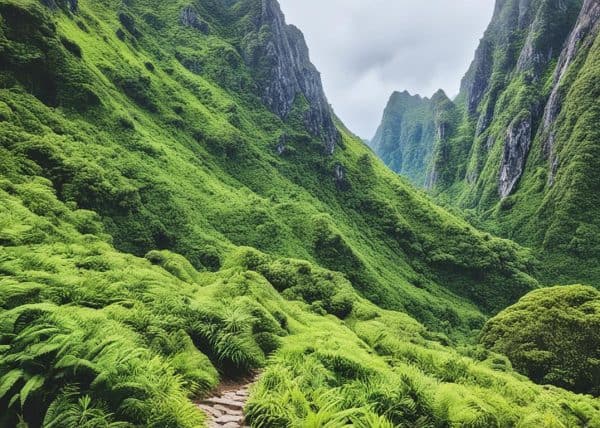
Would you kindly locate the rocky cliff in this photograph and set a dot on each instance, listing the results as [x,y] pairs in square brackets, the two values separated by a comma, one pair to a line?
[287,78]
[406,136]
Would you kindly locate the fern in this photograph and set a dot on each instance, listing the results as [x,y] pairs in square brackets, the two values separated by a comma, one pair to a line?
[32,385]
[9,380]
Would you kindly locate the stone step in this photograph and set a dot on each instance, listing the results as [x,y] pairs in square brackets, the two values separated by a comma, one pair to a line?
[225,402]
[230,419]
[212,411]
[227,410]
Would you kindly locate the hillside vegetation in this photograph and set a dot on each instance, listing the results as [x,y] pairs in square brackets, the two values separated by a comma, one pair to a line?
[166,223]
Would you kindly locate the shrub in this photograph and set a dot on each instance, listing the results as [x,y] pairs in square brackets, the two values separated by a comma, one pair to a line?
[553,336]
[129,23]
[71,46]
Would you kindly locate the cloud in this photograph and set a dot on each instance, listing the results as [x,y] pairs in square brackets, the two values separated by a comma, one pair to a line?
[366,49]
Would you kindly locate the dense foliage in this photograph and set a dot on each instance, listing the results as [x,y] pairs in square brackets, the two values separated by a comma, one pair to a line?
[552,336]
[154,239]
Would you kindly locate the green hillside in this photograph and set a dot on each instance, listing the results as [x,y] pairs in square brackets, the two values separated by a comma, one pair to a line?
[178,205]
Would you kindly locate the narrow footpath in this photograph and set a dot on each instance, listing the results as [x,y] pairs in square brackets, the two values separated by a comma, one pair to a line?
[225,409]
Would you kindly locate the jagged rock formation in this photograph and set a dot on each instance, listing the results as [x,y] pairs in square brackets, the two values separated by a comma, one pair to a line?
[289,81]
[511,167]
[189,17]
[581,38]
[516,148]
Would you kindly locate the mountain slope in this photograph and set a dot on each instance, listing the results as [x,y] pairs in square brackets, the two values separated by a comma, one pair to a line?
[521,155]
[176,159]
[179,203]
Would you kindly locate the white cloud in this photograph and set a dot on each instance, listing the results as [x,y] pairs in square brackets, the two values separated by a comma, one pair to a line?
[366,49]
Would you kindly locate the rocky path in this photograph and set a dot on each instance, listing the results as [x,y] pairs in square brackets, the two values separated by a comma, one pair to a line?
[226,408]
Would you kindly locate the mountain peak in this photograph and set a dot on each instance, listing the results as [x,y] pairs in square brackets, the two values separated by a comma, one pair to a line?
[279,54]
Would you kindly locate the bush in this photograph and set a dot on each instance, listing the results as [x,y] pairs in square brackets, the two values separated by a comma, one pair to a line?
[71,46]
[553,336]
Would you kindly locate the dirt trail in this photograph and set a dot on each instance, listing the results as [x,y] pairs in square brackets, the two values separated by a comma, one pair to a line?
[225,409]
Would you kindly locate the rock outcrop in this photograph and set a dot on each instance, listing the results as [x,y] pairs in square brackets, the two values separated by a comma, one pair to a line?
[516,148]
[476,82]
[189,18]
[288,81]
[406,136]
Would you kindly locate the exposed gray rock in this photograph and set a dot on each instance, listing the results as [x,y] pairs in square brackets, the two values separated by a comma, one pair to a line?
[531,59]
[339,173]
[432,178]
[281,145]
[280,57]
[525,13]
[485,118]
[190,18]
[543,37]
[477,79]
[583,35]
[516,149]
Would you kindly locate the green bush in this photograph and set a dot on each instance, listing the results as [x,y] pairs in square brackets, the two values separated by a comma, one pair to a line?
[553,336]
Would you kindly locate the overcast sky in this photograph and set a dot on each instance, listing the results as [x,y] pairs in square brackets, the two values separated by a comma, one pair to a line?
[366,49]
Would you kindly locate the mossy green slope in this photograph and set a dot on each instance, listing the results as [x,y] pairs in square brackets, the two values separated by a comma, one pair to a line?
[175,159]
[552,336]
[126,134]
[90,336]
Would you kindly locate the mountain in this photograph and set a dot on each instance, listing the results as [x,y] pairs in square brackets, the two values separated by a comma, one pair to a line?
[179,206]
[406,138]
[521,153]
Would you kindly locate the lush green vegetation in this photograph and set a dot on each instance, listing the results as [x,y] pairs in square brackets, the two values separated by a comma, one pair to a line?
[153,241]
[95,337]
[172,159]
[552,336]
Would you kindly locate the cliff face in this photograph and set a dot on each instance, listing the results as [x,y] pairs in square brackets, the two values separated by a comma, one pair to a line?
[581,38]
[510,154]
[516,147]
[412,135]
[287,78]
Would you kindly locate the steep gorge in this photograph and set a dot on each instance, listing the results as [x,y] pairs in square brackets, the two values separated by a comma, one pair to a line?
[517,159]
